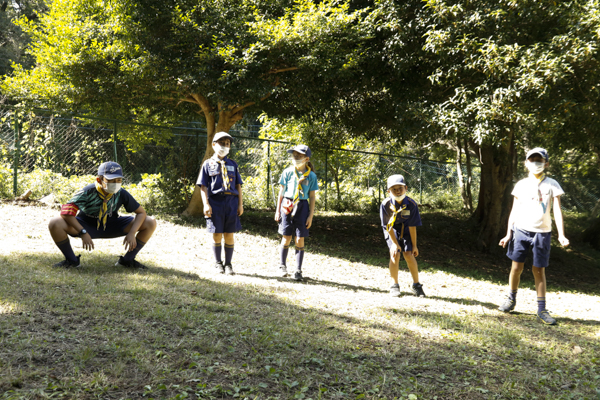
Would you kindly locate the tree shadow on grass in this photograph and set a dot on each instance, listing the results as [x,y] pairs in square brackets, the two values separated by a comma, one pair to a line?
[73,335]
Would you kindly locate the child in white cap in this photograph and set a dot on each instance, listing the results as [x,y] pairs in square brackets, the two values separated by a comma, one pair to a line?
[530,226]
[399,219]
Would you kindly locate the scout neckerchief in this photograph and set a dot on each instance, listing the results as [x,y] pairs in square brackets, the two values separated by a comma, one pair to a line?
[299,191]
[395,212]
[104,209]
[539,181]
[224,175]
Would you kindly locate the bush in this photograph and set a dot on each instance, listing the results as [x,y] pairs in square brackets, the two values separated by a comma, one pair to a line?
[160,194]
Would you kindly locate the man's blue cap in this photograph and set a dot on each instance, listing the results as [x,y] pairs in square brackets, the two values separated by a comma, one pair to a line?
[221,135]
[395,180]
[110,170]
[538,150]
[302,149]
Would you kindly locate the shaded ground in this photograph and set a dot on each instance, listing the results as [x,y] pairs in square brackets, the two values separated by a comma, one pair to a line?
[337,335]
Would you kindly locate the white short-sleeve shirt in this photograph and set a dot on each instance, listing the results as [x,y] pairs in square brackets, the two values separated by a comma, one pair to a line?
[533,201]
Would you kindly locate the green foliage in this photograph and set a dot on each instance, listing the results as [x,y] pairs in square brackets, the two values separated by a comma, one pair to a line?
[160,194]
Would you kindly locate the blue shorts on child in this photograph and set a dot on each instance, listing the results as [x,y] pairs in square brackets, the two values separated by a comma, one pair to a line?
[296,224]
[405,242]
[115,227]
[224,218]
[521,241]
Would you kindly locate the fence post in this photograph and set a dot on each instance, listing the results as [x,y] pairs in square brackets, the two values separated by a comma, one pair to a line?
[115,141]
[268,171]
[421,180]
[326,168]
[17,145]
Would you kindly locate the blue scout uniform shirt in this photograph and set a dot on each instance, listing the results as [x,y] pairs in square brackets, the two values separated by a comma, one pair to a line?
[288,180]
[89,203]
[210,176]
[409,216]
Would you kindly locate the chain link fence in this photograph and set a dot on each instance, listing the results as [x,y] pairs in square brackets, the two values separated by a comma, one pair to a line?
[350,179]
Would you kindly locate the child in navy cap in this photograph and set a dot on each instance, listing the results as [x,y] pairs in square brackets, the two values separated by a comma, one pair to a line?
[530,226]
[296,205]
[92,213]
[221,186]
[399,219]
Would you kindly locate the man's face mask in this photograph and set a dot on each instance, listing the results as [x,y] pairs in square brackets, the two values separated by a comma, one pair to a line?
[535,167]
[112,187]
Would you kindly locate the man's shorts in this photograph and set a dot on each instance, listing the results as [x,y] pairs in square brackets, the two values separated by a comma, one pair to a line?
[521,241]
[296,225]
[224,218]
[114,227]
[405,242]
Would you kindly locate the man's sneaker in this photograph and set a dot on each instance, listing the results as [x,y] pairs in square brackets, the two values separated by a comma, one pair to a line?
[219,267]
[283,270]
[417,290]
[229,270]
[68,263]
[508,305]
[130,264]
[395,290]
[298,276]
[545,317]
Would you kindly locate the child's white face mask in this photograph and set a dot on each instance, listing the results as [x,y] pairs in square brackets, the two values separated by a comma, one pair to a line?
[535,167]
[299,163]
[398,198]
[221,151]
[112,187]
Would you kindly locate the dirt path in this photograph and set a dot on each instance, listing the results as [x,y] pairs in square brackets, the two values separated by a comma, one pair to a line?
[339,286]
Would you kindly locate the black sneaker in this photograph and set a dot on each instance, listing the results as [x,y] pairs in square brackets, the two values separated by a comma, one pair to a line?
[229,270]
[283,270]
[545,317]
[417,290]
[508,305]
[130,264]
[395,290]
[68,263]
[219,267]
[298,276]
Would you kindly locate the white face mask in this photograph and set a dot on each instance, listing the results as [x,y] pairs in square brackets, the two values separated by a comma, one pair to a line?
[298,163]
[535,167]
[398,198]
[112,187]
[221,151]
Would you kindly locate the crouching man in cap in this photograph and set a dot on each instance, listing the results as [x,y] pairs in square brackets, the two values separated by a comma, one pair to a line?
[92,213]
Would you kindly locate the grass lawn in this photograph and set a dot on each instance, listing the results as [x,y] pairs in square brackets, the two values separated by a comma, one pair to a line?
[178,330]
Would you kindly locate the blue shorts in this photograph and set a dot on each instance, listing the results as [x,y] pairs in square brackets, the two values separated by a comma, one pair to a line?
[224,218]
[404,242]
[114,227]
[288,225]
[521,241]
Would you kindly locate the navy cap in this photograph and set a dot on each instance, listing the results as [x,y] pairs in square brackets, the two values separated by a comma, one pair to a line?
[302,149]
[395,180]
[538,150]
[110,170]
[221,135]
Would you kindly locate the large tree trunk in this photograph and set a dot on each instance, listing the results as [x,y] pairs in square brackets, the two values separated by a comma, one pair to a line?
[495,200]
[469,180]
[227,118]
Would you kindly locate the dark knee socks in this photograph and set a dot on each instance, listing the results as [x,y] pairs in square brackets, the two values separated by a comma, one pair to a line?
[66,249]
[512,295]
[299,257]
[284,253]
[217,252]
[130,255]
[228,253]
